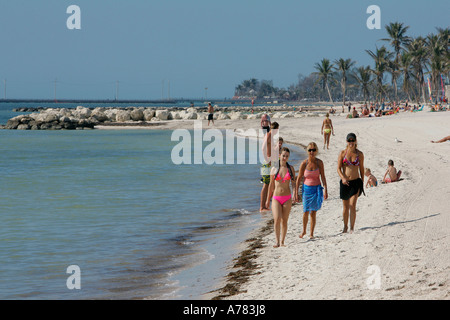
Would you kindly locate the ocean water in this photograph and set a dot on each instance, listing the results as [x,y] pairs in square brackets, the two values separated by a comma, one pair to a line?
[112,203]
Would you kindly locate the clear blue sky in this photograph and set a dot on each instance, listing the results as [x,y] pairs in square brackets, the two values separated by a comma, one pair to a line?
[194,44]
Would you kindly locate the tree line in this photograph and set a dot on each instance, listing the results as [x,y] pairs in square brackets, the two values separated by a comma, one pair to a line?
[400,70]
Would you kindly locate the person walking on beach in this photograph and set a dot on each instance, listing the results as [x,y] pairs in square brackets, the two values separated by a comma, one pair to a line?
[351,172]
[313,193]
[327,130]
[210,113]
[268,147]
[280,193]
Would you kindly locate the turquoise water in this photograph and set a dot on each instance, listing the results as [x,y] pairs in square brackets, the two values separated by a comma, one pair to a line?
[112,203]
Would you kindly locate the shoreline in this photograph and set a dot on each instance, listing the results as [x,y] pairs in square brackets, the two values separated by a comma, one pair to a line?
[241,267]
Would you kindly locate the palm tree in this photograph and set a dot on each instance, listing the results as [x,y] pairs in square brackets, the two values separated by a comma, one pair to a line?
[381,58]
[444,35]
[418,51]
[406,68]
[325,74]
[437,60]
[397,37]
[398,40]
[363,76]
[393,67]
[344,65]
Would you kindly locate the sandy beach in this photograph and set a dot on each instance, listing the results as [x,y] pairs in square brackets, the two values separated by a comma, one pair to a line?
[400,246]
[402,229]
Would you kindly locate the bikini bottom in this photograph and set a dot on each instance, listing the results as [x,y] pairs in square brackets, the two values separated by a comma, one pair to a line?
[282,199]
[354,187]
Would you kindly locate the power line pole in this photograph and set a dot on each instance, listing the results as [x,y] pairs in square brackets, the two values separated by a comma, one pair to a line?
[162,89]
[168,92]
[4,82]
[117,90]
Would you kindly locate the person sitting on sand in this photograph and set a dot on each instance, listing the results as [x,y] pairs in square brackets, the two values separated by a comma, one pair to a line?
[280,193]
[355,113]
[365,112]
[391,174]
[442,140]
[371,180]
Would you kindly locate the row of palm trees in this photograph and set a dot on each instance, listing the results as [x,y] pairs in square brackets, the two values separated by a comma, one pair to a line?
[410,60]
[405,60]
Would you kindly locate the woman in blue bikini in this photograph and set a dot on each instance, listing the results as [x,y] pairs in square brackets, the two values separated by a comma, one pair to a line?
[351,171]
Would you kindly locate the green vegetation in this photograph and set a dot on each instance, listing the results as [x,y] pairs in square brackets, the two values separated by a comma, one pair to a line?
[399,71]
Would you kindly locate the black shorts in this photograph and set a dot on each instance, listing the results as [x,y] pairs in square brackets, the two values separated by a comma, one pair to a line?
[210,116]
[355,187]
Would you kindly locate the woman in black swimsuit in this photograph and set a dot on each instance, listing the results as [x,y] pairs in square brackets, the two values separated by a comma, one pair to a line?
[351,171]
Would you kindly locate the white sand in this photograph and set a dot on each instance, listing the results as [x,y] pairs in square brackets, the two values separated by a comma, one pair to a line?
[402,228]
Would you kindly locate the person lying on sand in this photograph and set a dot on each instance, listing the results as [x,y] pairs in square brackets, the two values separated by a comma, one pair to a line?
[442,140]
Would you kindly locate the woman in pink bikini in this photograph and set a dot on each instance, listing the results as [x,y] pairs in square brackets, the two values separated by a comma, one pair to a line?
[313,193]
[279,187]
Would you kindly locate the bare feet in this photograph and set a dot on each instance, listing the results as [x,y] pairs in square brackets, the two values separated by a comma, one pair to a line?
[345,229]
[264,210]
[302,235]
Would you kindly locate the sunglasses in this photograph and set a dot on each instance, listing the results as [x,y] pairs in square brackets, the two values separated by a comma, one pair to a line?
[351,140]
[313,150]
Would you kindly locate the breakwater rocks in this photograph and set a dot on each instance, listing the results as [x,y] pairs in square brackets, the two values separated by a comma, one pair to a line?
[88,118]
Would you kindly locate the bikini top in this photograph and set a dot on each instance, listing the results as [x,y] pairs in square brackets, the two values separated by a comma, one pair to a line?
[312,177]
[351,163]
[287,177]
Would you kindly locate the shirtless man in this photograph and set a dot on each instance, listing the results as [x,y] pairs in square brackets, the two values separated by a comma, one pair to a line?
[211,113]
[391,174]
[270,152]
[327,130]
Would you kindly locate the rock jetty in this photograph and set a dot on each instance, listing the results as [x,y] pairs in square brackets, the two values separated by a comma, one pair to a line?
[87,118]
